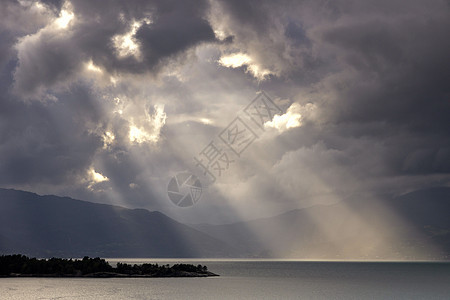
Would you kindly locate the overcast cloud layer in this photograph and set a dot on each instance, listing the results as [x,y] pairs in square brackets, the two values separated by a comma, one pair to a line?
[107,102]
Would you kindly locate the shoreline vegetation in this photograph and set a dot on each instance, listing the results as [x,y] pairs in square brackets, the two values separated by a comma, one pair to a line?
[18,265]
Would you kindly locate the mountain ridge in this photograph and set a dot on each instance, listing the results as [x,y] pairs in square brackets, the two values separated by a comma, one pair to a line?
[61,226]
[355,229]
[402,225]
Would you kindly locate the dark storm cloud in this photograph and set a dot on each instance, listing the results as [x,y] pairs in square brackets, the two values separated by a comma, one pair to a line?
[16,22]
[53,56]
[45,62]
[250,13]
[397,76]
[404,69]
[53,4]
[45,144]
[36,140]
[166,37]
[376,73]
[5,48]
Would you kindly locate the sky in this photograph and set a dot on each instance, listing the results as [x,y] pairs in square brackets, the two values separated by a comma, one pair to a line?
[107,101]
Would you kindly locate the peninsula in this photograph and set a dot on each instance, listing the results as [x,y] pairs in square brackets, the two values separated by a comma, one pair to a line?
[18,265]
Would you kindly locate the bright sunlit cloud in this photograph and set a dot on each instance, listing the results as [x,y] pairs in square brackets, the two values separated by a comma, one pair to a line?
[237,60]
[293,117]
[220,34]
[108,139]
[93,68]
[95,177]
[126,44]
[66,16]
[139,135]
[206,121]
[150,131]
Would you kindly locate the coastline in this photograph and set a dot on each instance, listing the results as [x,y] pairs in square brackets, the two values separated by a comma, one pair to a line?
[18,265]
[112,275]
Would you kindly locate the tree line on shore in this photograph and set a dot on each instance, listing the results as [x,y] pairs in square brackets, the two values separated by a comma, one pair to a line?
[18,264]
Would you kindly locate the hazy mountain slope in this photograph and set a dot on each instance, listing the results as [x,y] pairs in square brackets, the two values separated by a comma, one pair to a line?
[55,226]
[412,226]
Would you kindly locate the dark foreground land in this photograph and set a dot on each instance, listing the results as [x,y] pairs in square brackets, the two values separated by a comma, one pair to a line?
[21,266]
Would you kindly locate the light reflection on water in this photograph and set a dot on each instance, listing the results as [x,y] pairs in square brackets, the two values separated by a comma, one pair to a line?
[251,280]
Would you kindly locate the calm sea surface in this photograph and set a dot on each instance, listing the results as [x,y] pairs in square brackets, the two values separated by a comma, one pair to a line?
[251,279]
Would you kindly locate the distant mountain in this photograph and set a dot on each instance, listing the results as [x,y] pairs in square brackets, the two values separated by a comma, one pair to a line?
[46,226]
[412,226]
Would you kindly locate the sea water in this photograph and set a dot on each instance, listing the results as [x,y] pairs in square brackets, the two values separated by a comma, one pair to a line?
[252,279]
